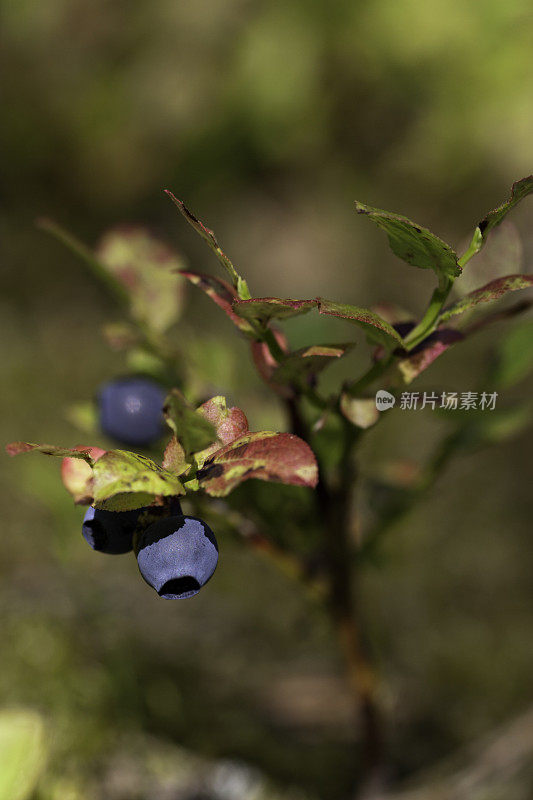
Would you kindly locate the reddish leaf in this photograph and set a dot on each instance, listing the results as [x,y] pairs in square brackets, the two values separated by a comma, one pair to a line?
[268,456]
[424,355]
[77,475]
[488,294]
[265,363]
[221,293]
[16,448]
[263,309]
[229,423]
[376,328]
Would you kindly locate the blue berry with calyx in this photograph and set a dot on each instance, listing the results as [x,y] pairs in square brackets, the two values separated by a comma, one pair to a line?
[110,531]
[177,556]
[131,410]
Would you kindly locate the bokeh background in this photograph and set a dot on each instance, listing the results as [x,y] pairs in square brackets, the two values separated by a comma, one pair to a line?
[268,119]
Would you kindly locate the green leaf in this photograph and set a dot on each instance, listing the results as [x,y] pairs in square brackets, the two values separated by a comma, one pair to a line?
[488,294]
[360,411]
[77,476]
[299,366]
[425,353]
[519,190]
[16,448]
[263,309]
[23,753]
[515,355]
[414,244]
[123,481]
[268,456]
[222,294]
[149,273]
[208,236]
[376,328]
[191,427]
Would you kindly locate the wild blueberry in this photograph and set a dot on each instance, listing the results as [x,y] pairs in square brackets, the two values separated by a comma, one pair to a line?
[131,410]
[177,556]
[110,531]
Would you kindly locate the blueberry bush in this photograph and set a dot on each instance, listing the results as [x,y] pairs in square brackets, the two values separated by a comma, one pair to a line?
[134,499]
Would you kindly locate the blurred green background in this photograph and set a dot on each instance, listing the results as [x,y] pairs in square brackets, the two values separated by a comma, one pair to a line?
[268,119]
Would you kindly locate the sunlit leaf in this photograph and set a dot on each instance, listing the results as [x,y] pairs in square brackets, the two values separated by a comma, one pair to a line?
[222,294]
[412,243]
[77,476]
[192,429]
[424,355]
[488,294]
[208,236]
[124,481]
[263,309]
[376,328]
[278,457]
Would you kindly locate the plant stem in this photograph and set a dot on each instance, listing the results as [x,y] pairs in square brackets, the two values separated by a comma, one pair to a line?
[334,499]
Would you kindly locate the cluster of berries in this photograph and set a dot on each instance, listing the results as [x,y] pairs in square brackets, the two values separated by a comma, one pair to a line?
[176,554]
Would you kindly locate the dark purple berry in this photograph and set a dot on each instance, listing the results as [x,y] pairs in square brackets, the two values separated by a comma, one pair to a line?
[131,410]
[177,556]
[110,531]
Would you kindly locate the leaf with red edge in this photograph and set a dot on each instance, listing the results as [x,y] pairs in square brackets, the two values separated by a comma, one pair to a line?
[488,294]
[376,328]
[519,190]
[229,423]
[267,456]
[307,362]
[77,475]
[422,356]
[208,236]
[174,458]
[16,448]
[263,359]
[263,309]
[221,293]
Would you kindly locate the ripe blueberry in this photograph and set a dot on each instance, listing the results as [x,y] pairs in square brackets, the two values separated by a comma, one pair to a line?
[131,410]
[177,556]
[110,531]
